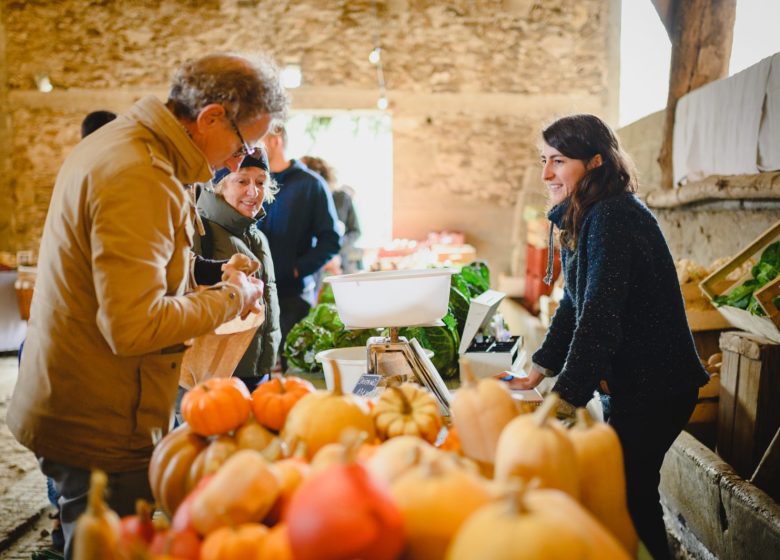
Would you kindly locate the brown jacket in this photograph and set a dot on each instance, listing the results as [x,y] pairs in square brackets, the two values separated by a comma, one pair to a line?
[101,361]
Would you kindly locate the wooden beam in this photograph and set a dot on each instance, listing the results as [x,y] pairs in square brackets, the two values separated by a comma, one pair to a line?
[702,35]
[761,186]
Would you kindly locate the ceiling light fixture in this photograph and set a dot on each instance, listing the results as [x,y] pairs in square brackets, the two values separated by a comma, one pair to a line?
[292,76]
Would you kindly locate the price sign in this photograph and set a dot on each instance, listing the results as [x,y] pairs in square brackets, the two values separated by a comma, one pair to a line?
[367,386]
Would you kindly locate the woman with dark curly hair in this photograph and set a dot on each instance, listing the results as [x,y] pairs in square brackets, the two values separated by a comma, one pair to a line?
[621,328]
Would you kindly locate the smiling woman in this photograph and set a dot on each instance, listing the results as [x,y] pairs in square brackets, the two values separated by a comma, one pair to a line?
[229,215]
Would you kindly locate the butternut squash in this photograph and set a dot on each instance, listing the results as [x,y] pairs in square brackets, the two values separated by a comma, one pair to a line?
[536,446]
[480,411]
[602,477]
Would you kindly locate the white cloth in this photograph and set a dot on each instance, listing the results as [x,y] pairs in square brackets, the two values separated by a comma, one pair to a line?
[718,126]
[769,134]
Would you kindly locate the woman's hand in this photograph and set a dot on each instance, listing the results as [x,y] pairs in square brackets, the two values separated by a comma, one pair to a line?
[527,383]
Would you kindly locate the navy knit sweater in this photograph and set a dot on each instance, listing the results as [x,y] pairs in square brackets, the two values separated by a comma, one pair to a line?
[622,317]
[301,228]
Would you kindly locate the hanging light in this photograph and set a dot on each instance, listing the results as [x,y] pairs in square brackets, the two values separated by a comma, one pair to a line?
[382,102]
[291,76]
[43,83]
[375,55]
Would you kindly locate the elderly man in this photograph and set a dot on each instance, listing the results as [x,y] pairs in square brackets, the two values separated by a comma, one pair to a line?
[110,314]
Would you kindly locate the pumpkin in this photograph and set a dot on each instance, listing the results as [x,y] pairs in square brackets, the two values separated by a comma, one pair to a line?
[563,509]
[137,531]
[253,436]
[96,536]
[210,459]
[229,543]
[319,418]
[341,513]
[602,477]
[480,411]
[407,410]
[397,455]
[435,499]
[182,519]
[272,400]
[532,525]
[535,446]
[277,544]
[292,471]
[183,545]
[242,491]
[216,406]
[170,464]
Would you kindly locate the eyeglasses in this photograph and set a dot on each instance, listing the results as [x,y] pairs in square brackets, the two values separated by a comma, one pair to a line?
[245,149]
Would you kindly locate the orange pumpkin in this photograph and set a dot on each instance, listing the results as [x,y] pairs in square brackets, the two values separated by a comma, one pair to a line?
[137,531]
[170,465]
[277,544]
[342,512]
[243,541]
[216,406]
[272,400]
[183,545]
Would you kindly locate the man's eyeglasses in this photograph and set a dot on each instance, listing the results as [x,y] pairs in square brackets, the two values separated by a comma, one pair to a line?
[245,149]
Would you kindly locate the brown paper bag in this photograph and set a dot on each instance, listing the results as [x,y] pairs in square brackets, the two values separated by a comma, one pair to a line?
[217,354]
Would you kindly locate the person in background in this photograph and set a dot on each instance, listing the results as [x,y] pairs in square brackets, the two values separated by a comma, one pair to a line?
[110,314]
[229,216]
[94,121]
[621,327]
[350,256]
[301,230]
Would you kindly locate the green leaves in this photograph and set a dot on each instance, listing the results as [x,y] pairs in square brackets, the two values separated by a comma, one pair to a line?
[766,270]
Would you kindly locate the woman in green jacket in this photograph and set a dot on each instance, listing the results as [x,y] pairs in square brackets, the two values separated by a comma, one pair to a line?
[229,215]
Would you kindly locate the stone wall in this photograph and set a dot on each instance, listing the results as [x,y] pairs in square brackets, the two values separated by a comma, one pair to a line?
[702,232]
[469,83]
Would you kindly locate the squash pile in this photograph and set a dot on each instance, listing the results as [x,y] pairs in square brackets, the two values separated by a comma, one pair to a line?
[290,472]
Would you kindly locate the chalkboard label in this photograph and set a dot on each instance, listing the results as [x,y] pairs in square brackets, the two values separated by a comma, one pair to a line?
[367,386]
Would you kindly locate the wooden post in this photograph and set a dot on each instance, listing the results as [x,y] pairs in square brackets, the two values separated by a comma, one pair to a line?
[702,33]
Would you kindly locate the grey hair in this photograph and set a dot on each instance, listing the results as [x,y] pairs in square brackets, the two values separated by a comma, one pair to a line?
[246,87]
[270,187]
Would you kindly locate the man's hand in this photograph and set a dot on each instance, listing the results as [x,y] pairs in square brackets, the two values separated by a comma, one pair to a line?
[251,290]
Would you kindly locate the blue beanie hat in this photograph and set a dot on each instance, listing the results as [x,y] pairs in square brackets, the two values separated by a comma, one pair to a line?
[258,159]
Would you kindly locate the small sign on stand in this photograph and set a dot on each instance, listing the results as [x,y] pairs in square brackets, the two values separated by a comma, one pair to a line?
[368,386]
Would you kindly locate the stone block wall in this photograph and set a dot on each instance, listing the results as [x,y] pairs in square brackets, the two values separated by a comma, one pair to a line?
[469,84]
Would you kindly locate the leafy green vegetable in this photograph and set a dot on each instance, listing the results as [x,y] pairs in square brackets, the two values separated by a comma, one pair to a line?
[322,328]
[303,342]
[764,271]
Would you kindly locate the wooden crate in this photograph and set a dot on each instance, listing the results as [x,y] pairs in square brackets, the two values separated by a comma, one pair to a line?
[717,284]
[748,411]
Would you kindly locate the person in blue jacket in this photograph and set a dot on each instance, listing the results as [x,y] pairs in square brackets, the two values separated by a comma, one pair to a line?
[621,327]
[301,229]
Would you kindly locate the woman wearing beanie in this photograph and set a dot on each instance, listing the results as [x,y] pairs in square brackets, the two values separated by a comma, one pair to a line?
[621,327]
[229,215]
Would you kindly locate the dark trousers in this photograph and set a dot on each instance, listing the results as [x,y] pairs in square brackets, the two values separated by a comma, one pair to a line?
[72,485]
[646,434]
[291,310]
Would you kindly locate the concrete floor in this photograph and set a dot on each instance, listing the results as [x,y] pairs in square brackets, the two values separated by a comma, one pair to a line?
[24,507]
